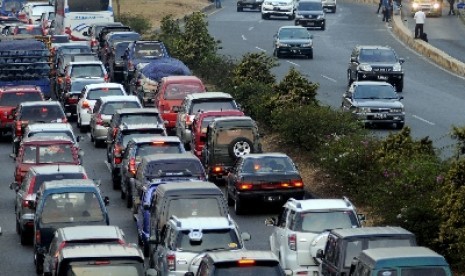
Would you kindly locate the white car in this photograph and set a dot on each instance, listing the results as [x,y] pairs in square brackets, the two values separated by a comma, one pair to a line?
[279,8]
[302,228]
[329,5]
[89,95]
[32,11]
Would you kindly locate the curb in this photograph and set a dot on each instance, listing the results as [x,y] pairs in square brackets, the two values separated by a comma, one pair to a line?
[436,55]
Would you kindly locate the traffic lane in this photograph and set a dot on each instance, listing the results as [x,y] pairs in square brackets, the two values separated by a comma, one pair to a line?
[446,32]
[432,96]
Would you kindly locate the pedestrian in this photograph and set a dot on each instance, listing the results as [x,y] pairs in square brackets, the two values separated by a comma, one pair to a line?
[218,4]
[420,18]
[379,5]
[451,7]
[386,10]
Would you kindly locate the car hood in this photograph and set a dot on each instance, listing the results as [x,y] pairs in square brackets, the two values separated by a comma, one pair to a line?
[386,103]
[380,64]
[310,12]
[295,41]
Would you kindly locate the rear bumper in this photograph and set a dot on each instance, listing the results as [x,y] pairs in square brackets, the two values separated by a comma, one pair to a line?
[271,196]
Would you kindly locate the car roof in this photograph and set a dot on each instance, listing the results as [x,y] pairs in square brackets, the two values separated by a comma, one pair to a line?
[232,118]
[201,223]
[189,187]
[292,27]
[122,98]
[55,169]
[122,33]
[103,85]
[213,113]
[73,44]
[142,125]
[50,126]
[107,24]
[207,95]
[40,103]
[101,251]
[265,154]
[86,62]
[169,156]
[168,139]
[319,204]
[138,110]
[401,256]
[81,232]
[69,183]
[47,140]
[371,231]
[181,79]
[230,256]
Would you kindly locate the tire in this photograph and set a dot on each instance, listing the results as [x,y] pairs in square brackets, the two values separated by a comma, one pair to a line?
[400,86]
[264,17]
[239,206]
[123,194]
[399,125]
[25,239]
[239,147]
[239,9]
[323,27]
[18,228]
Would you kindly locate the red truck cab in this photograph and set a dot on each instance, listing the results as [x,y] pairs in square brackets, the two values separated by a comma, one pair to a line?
[200,124]
[10,97]
[171,92]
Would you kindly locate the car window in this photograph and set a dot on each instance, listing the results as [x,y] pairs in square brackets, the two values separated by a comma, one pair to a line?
[138,118]
[178,91]
[148,50]
[40,179]
[157,148]
[30,154]
[155,169]
[375,92]
[227,135]
[212,105]
[111,107]
[211,239]
[42,113]
[294,33]
[268,164]
[255,269]
[317,222]
[96,94]
[418,271]
[199,207]
[13,99]
[88,70]
[57,153]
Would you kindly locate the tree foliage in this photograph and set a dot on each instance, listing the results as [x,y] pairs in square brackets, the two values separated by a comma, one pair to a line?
[295,89]
[254,68]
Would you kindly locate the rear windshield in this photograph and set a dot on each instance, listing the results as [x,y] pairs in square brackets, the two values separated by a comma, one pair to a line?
[77,86]
[158,148]
[257,268]
[268,164]
[323,221]
[88,70]
[10,5]
[192,167]
[48,133]
[138,118]
[30,30]
[52,113]
[105,267]
[15,98]
[197,207]
[110,108]
[226,136]
[211,239]
[59,38]
[72,207]
[96,94]
[148,50]
[58,176]
[178,91]
[213,105]
[142,133]
[48,154]
[39,10]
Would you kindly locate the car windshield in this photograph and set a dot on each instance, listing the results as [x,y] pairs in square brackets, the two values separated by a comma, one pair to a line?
[72,207]
[310,6]
[375,92]
[124,37]
[56,176]
[105,268]
[178,91]
[416,271]
[294,33]
[97,93]
[52,113]
[354,247]
[15,98]
[57,153]
[148,50]
[227,104]
[31,30]
[211,239]
[120,47]
[227,135]
[39,10]
[140,117]
[191,167]
[268,164]
[52,133]
[110,108]
[197,207]
[142,133]
[317,222]
[77,86]
[257,268]
[377,55]
[157,148]
[88,6]
[87,70]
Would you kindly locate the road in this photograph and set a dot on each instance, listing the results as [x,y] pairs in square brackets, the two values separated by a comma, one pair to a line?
[433,99]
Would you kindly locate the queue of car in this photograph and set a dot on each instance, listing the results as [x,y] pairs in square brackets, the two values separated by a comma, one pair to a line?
[171,183]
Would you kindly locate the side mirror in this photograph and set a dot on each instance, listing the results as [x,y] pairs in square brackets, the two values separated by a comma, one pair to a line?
[85,33]
[361,217]
[401,60]
[175,109]
[353,59]
[106,200]
[153,272]
[320,254]
[246,236]
[270,222]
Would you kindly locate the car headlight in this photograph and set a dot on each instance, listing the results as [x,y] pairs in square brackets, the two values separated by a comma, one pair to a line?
[299,16]
[397,68]
[396,110]
[415,5]
[280,44]
[436,5]
[321,16]
[307,44]
[363,110]
[364,67]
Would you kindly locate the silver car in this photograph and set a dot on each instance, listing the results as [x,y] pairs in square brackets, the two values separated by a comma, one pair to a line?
[101,115]
[374,103]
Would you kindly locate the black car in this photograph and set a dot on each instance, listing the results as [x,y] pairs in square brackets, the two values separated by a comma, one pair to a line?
[108,49]
[71,94]
[103,33]
[115,63]
[267,177]
[251,4]
[310,14]
[293,41]
[377,63]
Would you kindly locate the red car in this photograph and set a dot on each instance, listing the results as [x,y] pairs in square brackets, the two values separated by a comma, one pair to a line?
[39,151]
[171,92]
[10,97]
[199,127]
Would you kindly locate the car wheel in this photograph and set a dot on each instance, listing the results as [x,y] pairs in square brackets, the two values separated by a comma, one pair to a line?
[238,206]
[264,17]
[334,10]
[239,9]
[310,56]
[123,194]
[18,227]
[239,147]
[96,142]
[323,27]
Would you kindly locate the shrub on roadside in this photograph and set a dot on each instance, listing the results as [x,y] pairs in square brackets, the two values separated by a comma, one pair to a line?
[137,22]
[254,68]
[295,89]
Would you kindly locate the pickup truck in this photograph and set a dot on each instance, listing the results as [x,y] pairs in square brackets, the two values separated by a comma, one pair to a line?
[25,62]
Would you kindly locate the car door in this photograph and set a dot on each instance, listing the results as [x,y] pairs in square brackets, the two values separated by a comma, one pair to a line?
[20,194]
[279,235]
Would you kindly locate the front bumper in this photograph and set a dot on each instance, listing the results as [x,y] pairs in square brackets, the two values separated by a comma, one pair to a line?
[294,51]
[381,118]
[271,196]
[390,77]
[310,23]
[277,11]
[249,5]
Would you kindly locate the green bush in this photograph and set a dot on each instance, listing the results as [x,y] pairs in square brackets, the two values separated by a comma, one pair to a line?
[254,68]
[137,22]
[295,89]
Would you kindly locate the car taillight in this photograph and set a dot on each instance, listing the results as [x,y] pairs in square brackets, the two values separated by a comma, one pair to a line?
[38,237]
[69,99]
[93,43]
[292,242]
[171,261]
[25,203]
[61,246]
[117,154]
[99,120]
[18,129]
[132,166]
[85,104]
[244,186]
[106,78]
[297,183]
[217,169]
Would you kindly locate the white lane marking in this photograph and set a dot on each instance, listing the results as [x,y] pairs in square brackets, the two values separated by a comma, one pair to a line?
[108,165]
[328,78]
[251,28]
[423,120]
[293,63]
[263,50]
[244,38]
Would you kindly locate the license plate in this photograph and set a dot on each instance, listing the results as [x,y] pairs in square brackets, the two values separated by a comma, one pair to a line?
[310,23]
[277,9]
[382,77]
[272,198]
[380,116]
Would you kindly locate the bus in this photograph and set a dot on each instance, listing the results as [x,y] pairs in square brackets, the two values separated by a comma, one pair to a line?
[73,17]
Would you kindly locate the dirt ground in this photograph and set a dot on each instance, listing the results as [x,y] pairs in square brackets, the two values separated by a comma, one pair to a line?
[155,10]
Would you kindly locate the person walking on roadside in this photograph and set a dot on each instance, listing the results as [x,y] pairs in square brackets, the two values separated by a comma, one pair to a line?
[380,4]
[451,7]
[420,18]
[386,10]
[218,4]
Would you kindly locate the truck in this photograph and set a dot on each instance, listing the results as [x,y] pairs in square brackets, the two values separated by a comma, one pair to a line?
[26,61]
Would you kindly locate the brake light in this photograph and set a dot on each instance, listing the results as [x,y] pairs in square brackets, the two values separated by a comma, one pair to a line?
[297,183]
[101,262]
[61,246]
[171,261]
[25,203]
[70,99]
[117,154]
[93,42]
[292,242]
[38,237]
[158,143]
[246,262]
[132,166]
[99,120]
[244,186]
[217,169]
[85,104]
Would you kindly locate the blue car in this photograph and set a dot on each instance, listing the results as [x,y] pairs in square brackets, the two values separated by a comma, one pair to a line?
[11,7]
